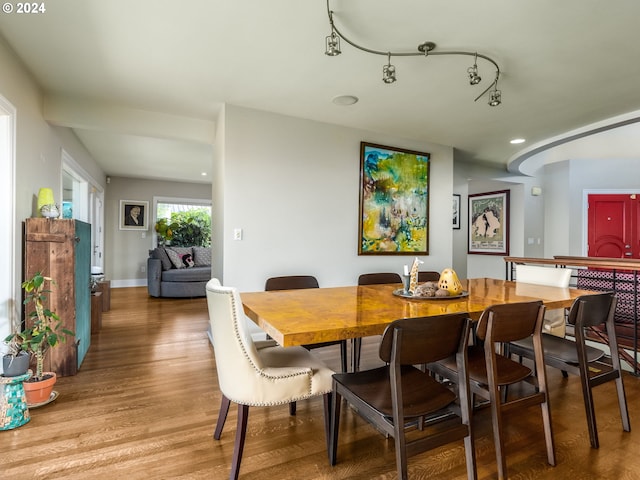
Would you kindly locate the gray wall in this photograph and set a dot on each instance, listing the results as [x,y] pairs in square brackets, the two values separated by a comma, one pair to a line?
[126,251]
[292,186]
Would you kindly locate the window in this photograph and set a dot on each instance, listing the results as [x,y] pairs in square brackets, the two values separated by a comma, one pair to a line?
[183,222]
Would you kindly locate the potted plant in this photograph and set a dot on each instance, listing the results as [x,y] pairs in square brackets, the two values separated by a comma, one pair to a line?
[46,331]
[165,228]
[15,361]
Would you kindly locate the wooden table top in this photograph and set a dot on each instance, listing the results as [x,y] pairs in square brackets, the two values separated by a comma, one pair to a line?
[314,315]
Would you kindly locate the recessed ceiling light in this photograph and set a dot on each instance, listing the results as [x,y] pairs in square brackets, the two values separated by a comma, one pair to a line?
[345,100]
[516,141]
[204,174]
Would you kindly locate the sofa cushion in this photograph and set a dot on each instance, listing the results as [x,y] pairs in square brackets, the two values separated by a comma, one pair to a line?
[195,274]
[161,254]
[202,256]
[181,257]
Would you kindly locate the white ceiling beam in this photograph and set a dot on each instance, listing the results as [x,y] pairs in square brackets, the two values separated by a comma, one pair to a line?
[99,116]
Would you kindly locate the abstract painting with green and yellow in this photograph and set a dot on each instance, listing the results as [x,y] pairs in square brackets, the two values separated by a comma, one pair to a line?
[394,200]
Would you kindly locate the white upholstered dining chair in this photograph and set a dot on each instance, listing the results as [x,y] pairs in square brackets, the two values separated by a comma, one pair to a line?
[257,374]
[554,320]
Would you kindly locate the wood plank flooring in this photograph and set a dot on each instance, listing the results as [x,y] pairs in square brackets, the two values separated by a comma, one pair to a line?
[145,402]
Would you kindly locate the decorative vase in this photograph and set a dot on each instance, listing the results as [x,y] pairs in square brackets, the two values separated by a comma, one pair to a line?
[40,391]
[15,366]
[50,210]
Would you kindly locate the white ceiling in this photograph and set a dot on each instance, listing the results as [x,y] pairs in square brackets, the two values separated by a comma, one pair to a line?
[132,77]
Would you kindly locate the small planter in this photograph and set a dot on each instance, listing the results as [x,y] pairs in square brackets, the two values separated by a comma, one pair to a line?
[15,366]
[40,392]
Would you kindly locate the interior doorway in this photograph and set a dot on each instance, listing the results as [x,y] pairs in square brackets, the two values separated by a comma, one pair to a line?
[613,225]
[83,199]
[9,294]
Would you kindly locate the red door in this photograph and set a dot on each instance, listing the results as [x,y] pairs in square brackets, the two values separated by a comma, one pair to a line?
[614,226]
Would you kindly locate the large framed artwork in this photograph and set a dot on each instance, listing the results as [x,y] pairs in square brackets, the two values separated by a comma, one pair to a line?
[134,215]
[394,201]
[489,223]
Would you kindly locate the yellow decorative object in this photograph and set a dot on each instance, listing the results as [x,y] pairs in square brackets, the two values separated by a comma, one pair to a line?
[449,281]
[45,197]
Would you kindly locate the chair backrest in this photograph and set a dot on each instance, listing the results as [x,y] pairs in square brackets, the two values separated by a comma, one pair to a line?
[428,276]
[379,278]
[291,282]
[237,361]
[554,277]
[592,310]
[426,339]
[510,321]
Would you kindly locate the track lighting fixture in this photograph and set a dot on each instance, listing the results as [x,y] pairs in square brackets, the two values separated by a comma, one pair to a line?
[425,49]
[388,71]
[332,41]
[474,78]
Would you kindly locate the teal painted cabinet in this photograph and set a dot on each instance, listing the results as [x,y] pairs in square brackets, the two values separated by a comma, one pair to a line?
[61,249]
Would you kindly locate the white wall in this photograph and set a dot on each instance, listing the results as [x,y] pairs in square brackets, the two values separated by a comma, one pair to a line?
[292,186]
[38,152]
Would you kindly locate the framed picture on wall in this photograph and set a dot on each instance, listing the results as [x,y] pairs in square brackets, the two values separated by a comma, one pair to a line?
[394,201]
[134,215]
[489,223]
[456,211]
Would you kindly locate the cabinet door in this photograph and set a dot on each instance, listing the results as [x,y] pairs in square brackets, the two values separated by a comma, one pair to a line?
[82,288]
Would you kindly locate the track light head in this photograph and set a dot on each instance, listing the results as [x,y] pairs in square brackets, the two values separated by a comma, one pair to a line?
[389,71]
[495,98]
[332,45]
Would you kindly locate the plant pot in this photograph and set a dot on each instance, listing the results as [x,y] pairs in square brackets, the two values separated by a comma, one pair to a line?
[39,391]
[15,366]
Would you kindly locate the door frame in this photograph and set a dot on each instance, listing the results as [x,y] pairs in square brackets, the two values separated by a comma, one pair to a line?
[585,209]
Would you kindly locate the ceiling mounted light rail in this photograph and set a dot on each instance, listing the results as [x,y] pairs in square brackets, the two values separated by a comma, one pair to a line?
[426,49]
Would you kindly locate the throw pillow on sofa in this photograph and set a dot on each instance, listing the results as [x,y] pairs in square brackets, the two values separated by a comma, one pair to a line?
[202,256]
[181,257]
[161,254]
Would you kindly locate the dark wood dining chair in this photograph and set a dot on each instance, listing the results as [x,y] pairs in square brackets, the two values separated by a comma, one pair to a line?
[589,363]
[396,396]
[379,278]
[295,282]
[490,372]
[428,276]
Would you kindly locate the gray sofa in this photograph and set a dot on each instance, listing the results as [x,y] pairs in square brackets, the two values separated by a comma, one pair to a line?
[178,272]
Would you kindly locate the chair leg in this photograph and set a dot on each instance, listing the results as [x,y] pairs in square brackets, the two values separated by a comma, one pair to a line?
[589,410]
[222,417]
[401,451]
[326,400]
[496,421]
[336,400]
[356,349]
[292,408]
[622,402]
[241,435]
[344,356]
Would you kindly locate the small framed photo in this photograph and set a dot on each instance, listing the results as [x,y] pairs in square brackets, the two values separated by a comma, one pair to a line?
[456,211]
[134,215]
[489,223]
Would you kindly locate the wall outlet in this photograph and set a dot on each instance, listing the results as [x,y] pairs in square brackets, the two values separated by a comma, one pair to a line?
[237,234]
[143,269]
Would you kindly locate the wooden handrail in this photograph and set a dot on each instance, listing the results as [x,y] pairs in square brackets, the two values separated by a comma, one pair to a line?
[561,260]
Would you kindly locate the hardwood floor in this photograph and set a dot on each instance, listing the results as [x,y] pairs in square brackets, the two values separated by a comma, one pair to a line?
[145,402]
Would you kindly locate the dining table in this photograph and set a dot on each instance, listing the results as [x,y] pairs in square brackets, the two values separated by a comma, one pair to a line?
[316,315]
